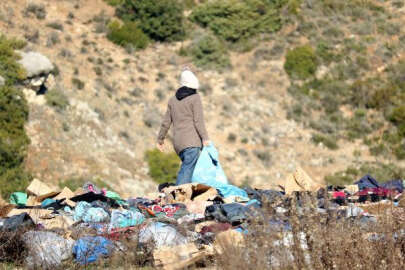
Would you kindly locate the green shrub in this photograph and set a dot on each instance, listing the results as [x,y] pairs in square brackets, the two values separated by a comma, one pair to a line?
[236,20]
[161,20]
[162,167]
[398,115]
[329,142]
[57,99]
[79,84]
[301,62]
[209,53]
[13,140]
[10,70]
[127,34]
[114,2]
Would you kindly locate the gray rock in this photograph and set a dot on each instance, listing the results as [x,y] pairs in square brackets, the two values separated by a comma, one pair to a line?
[2,81]
[35,64]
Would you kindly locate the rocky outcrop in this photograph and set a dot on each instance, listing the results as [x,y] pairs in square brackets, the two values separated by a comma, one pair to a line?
[35,64]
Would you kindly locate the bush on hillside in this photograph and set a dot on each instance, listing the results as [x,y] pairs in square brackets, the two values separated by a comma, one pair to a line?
[236,20]
[301,62]
[127,34]
[13,140]
[57,99]
[9,68]
[162,167]
[209,53]
[161,20]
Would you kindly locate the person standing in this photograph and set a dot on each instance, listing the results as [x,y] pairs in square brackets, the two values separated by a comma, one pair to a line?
[185,113]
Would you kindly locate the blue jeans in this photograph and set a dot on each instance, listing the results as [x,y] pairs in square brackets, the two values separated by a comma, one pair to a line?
[189,157]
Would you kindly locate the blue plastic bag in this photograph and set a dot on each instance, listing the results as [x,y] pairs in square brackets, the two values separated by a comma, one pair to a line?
[208,171]
[89,249]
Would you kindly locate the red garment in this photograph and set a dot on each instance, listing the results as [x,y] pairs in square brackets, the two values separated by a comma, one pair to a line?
[338,194]
[382,192]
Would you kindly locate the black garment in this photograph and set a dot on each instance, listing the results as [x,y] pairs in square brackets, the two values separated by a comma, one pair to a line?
[184,92]
[233,213]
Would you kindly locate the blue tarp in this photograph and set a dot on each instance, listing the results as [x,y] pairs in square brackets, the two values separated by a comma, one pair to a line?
[367,182]
[208,171]
[89,249]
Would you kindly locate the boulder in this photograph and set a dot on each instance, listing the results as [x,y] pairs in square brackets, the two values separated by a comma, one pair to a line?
[35,64]
[2,81]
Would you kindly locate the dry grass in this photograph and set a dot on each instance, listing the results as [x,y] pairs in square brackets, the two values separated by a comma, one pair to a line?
[321,241]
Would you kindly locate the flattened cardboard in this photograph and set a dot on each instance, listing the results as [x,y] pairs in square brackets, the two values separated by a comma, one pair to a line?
[35,213]
[41,190]
[66,194]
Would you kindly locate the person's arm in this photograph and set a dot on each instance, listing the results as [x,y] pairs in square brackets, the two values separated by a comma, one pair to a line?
[199,123]
[164,128]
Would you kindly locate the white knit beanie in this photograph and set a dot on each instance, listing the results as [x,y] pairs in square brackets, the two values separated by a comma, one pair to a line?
[188,79]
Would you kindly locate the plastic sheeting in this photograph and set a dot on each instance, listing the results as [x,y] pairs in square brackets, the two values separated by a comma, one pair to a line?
[162,235]
[84,211]
[208,171]
[89,249]
[46,250]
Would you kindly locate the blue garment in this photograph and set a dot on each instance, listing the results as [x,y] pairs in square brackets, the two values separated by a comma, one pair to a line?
[189,157]
[84,211]
[125,218]
[208,171]
[45,203]
[394,184]
[89,248]
[367,182]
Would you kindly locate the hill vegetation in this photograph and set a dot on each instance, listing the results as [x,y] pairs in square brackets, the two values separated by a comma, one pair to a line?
[13,115]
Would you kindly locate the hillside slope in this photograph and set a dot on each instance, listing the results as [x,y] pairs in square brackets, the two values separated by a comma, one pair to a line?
[115,117]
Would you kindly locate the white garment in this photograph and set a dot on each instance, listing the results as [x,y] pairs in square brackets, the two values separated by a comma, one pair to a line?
[188,79]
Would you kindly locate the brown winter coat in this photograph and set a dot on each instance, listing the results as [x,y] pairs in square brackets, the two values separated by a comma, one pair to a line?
[187,118]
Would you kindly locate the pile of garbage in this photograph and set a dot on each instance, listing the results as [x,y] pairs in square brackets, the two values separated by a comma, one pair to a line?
[183,224]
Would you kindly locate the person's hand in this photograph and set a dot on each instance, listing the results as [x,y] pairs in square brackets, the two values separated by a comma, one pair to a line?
[206,143]
[160,146]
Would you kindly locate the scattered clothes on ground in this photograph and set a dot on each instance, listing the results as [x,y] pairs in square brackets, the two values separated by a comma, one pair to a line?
[89,249]
[85,212]
[18,198]
[46,250]
[161,235]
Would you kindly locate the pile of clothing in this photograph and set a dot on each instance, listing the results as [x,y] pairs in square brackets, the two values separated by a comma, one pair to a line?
[89,223]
